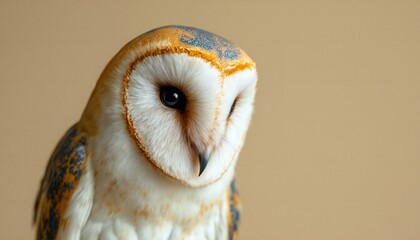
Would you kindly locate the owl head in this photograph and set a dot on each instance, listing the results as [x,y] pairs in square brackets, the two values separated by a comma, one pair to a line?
[175,101]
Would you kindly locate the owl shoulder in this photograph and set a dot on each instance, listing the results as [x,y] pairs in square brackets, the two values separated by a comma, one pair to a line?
[64,185]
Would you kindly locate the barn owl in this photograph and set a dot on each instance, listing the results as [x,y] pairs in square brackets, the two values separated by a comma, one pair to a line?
[154,152]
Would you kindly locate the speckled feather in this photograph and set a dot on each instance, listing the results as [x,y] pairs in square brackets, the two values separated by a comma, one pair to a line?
[225,55]
[208,41]
[62,177]
[234,214]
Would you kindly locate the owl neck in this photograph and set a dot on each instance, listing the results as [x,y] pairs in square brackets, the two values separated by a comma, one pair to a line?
[130,184]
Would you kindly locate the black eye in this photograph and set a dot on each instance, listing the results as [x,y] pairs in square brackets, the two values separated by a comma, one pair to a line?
[232,108]
[173,97]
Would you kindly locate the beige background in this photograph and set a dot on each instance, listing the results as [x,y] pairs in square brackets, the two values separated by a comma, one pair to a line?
[334,148]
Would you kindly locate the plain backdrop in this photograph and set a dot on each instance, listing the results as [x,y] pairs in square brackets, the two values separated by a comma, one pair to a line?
[333,151]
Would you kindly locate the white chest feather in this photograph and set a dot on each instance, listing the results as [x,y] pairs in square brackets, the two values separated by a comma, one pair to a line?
[119,212]
[133,201]
[208,223]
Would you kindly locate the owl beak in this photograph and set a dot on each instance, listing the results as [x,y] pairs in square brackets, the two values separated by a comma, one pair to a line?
[204,159]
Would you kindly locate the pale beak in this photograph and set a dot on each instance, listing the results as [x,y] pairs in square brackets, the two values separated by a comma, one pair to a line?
[204,159]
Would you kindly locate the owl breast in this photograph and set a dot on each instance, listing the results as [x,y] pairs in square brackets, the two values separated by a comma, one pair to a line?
[200,221]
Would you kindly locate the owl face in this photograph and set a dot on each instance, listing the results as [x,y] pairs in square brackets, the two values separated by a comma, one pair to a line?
[185,105]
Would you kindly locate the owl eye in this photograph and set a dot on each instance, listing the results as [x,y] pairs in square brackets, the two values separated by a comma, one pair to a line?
[232,108]
[172,97]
